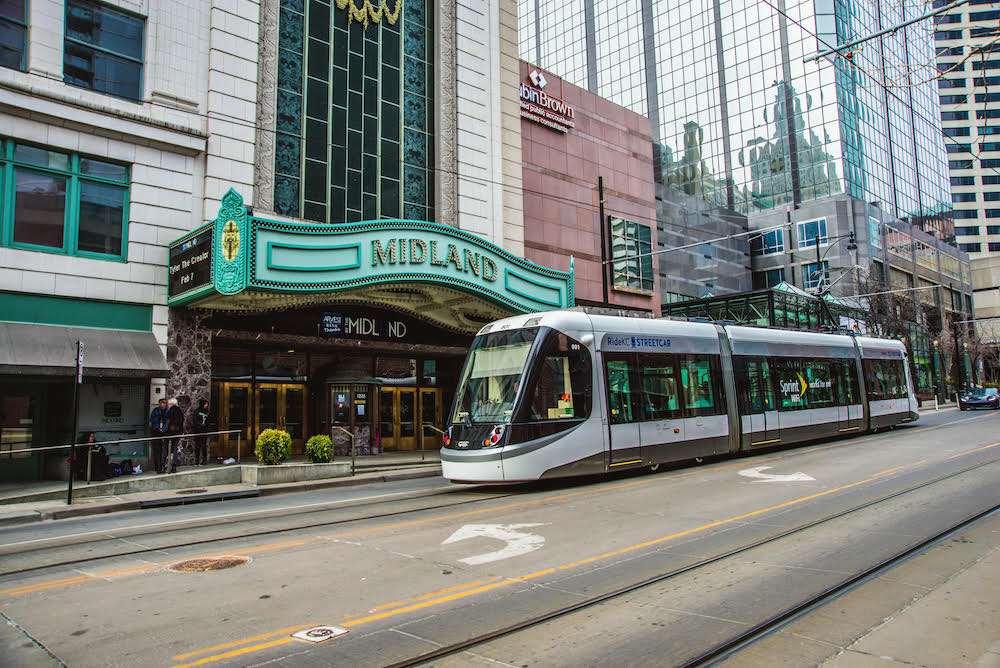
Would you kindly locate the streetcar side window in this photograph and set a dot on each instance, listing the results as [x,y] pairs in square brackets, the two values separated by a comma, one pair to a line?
[559,385]
[754,380]
[660,387]
[620,391]
[819,383]
[886,379]
[702,386]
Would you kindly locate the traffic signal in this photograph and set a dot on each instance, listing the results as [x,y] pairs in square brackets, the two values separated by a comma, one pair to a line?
[850,241]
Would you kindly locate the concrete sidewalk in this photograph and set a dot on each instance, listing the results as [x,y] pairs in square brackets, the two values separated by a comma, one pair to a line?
[34,501]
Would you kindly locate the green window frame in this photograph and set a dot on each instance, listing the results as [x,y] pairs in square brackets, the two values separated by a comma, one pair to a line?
[14,34]
[631,258]
[63,202]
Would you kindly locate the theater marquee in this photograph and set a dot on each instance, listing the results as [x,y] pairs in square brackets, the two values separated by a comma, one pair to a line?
[280,265]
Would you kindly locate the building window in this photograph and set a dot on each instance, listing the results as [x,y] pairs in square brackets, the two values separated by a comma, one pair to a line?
[874,232]
[956,132]
[951,83]
[966,213]
[989,129]
[953,99]
[103,49]
[990,163]
[963,180]
[967,231]
[989,180]
[773,277]
[63,202]
[963,197]
[948,34]
[768,243]
[815,275]
[971,248]
[958,148]
[13,33]
[959,164]
[954,115]
[810,230]
[990,146]
[993,213]
[631,261]
[991,196]
[987,97]
[994,246]
[993,229]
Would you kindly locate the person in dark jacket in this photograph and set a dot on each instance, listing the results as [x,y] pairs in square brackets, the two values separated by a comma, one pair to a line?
[175,427]
[199,424]
[158,427]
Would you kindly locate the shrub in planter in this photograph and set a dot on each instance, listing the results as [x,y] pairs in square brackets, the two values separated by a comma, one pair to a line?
[273,446]
[319,448]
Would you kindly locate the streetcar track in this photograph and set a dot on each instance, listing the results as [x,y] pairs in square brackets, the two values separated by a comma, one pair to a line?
[725,649]
[186,525]
[728,648]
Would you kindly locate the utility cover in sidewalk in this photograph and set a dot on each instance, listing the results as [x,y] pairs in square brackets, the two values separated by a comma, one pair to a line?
[319,633]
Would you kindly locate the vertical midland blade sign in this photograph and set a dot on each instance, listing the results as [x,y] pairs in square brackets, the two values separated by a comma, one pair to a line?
[76,417]
[79,362]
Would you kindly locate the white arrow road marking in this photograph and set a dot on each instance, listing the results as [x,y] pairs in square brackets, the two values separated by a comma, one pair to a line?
[755,472]
[518,542]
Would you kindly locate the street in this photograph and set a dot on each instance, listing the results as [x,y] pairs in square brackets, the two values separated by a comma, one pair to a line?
[404,570]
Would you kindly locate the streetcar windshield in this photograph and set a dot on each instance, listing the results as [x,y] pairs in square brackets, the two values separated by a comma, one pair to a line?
[492,376]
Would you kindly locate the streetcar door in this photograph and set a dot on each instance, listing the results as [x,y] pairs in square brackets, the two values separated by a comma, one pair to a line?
[623,411]
[763,409]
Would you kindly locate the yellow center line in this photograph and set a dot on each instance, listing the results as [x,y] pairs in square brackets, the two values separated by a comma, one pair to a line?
[985,447]
[236,643]
[389,606]
[237,652]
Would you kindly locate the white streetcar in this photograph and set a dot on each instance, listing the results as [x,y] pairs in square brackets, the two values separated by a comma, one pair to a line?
[566,393]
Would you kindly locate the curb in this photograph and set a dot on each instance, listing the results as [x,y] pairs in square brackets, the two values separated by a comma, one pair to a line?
[268,490]
[22,517]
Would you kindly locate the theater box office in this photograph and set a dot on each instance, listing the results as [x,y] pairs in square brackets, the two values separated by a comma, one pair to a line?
[362,326]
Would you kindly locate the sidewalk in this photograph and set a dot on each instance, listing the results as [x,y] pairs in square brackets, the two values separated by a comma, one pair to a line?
[34,501]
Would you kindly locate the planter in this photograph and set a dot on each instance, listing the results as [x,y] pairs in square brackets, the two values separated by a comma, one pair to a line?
[284,473]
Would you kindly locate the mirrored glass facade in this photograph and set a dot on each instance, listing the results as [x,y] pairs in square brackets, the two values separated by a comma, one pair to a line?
[740,120]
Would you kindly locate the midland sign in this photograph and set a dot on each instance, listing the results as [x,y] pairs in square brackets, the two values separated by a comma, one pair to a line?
[255,254]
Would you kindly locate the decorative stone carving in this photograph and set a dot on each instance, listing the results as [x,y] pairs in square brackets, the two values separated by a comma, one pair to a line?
[267,93]
[447,115]
[189,353]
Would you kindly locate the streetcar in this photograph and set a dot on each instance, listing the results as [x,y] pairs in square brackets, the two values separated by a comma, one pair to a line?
[567,393]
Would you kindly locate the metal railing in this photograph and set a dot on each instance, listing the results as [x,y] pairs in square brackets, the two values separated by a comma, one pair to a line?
[90,446]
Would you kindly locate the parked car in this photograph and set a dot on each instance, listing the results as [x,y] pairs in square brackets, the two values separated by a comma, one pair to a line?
[983,397]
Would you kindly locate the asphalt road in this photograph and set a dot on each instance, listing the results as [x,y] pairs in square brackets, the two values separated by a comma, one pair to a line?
[409,566]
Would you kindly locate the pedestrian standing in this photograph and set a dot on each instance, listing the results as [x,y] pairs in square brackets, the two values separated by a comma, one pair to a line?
[199,423]
[158,427]
[175,427]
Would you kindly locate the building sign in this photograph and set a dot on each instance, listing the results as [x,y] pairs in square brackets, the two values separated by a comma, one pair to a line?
[542,108]
[337,324]
[278,259]
[190,264]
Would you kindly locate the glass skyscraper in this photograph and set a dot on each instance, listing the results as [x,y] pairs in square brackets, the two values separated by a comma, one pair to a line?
[741,120]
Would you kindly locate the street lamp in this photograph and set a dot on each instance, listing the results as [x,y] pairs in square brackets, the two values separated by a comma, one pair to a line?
[851,245]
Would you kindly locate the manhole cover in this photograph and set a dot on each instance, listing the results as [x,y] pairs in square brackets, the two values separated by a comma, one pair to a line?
[207,564]
[191,491]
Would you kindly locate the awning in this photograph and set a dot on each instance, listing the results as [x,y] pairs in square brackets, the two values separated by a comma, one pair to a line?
[28,349]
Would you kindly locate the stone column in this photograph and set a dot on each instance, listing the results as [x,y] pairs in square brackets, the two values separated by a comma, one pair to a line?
[189,354]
